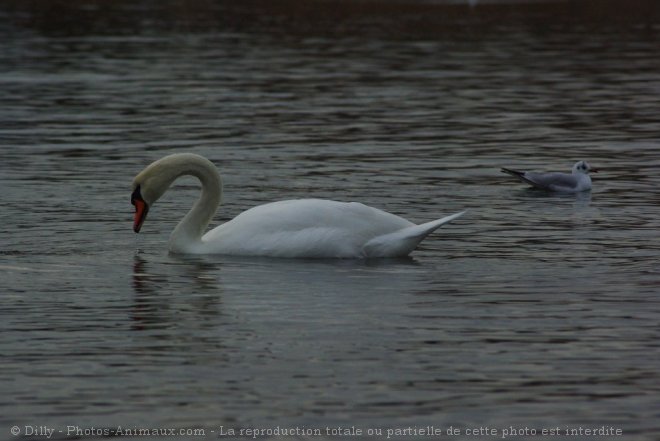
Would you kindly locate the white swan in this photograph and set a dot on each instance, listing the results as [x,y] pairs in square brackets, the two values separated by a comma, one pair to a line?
[294,228]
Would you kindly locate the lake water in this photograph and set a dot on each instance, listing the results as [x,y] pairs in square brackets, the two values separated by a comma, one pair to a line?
[533,311]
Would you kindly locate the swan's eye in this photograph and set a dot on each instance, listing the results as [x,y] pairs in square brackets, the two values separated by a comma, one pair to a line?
[136,195]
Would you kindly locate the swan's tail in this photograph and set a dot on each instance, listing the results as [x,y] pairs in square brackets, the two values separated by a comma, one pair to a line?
[402,242]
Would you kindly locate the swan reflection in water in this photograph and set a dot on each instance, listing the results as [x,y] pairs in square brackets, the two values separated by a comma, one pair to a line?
[223,288]
[157,305]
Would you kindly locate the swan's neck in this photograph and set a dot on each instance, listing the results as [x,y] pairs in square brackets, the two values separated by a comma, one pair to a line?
[188,233]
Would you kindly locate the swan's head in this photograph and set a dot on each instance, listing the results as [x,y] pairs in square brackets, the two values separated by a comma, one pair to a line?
[141,208]
[583,167]
[150,184]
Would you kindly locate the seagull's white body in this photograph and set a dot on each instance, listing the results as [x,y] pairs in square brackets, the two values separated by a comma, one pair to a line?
[294,228]
[575,182]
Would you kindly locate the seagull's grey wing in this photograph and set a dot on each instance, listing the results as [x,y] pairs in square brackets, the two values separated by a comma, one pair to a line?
[552,181]
[523,176]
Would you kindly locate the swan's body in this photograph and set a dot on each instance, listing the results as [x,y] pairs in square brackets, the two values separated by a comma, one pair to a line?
[575,182]
[294,228]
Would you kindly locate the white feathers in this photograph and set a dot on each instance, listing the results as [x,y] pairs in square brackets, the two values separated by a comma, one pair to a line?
[294,228]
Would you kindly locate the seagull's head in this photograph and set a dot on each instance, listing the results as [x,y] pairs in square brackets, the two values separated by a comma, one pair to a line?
[583,167]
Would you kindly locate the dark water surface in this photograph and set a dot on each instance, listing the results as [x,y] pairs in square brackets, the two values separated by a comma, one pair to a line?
[532,311]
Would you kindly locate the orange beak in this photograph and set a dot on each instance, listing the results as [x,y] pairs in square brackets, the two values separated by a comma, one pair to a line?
[141,209]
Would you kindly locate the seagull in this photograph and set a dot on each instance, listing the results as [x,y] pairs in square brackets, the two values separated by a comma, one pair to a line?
[575,182]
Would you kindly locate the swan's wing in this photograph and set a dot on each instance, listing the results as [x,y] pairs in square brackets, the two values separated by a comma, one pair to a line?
[299,214]
[303,228]
[404,241]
